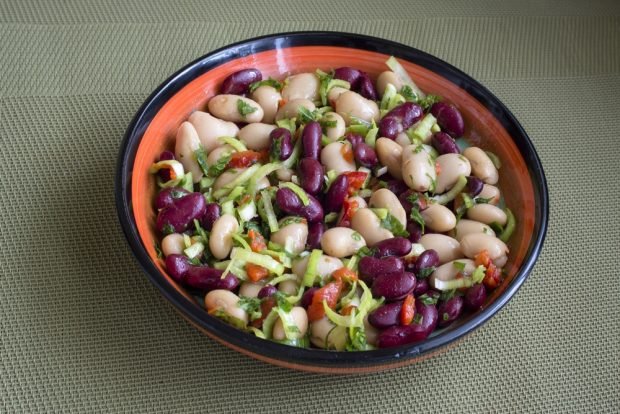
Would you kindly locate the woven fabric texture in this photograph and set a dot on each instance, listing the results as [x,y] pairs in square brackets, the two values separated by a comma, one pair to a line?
[82,329]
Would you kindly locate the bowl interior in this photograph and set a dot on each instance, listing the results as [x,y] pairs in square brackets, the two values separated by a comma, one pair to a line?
[483,129]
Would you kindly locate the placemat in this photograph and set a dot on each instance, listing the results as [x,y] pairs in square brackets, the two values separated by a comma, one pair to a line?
[82,329]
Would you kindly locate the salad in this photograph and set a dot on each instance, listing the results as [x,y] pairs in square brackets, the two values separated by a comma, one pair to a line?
[331,210]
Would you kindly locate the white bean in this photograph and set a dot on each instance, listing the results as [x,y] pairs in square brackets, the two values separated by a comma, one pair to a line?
[448,271]
[336,131]
[384,198]
[474,243]
[451,167]
[365,222]
[288,287]
[301,86]
[351,104]
[481,165]
[291,108]
[388,77]
[187,142]
[297,233]
[332,157]
[342,242]
[491,193]
[371,332]
[269,99]
[227,177]
[418,169]
[250,289]
[300,317]
[446,247]
[217,153]
[487,214]
[227,107]
[220,242]
[256,136]
[324,334]
[284,174]
[325,266]
[438,218]
[173,244]
[225,301]
[390,155]
[465,227]
[210,128]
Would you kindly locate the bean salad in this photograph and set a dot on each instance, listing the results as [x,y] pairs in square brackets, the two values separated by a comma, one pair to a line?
[331,210]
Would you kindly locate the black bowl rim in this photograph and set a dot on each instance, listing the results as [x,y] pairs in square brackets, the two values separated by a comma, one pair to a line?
[314,357]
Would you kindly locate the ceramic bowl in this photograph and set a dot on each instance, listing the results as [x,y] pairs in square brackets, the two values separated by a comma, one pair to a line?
[489,124]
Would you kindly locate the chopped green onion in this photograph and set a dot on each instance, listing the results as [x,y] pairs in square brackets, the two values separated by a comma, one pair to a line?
[234,142]
[258,259]
[272,220]
[303,196]
[510,226]
[312,268]
[446,197]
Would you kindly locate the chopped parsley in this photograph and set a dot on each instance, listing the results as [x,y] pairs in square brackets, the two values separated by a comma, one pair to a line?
[245,108]
[407,92]
[251,306]
[282,302]
[167,229]
[427,300]
[160,254]
[218,168]
[426,272]
[306,115]
[392,224]
[356,236]
[417,217]
[429,101]
[447,295]
[201,158]
[267,82]
[356,340]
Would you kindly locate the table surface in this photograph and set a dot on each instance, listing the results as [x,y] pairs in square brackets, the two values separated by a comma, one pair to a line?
[83,330]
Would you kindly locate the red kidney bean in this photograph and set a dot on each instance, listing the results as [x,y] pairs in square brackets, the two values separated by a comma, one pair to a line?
[337,192]
[315,232]
[354,139]
[239,82]
[449,119]
[396,186]
[450,310]
[350,75]
[475,297]
[399,119]
[386,315]
[208,278]
[403,335]
[365,155]
[311,140]
[428,258]
[396,246]
[415,231]
[166,197]
[177,217]
[287,201]
[371,267]
[266,291]
[474,185]
[366,88]
[393,286]
[212,213]
[421,287]
[280,145]
[177,266]
[306,298]
[310,174]
[164,174]
[444,143]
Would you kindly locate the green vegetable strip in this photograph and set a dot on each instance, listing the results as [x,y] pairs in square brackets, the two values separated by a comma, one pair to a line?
[510,226]
[194,250]
[291,331]
[303,196]
[282,278]
[371,137]
[272,220]
[457,188]
[397,68]
[339,320]
[262,172]
[236,237]
[312,268]
[292,160]
[423,130]
[295,299]
[234,142]
[268,323]
[388,94]
[258,259]
[239,180]
[257,332]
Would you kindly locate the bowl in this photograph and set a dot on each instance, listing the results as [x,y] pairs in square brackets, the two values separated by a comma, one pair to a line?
[488,121]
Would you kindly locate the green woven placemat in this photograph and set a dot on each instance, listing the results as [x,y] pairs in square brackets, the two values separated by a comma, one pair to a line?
[81,328]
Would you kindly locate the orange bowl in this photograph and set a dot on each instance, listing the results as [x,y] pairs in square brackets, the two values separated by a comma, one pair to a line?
[489,124]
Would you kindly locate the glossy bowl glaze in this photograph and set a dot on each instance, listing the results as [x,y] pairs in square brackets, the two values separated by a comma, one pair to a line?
[489,124]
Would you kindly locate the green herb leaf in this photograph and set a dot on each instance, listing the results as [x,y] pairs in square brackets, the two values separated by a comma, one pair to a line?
[365,251]
[427,300]
[392,224]
[306,115]
[167,229]
[460,266]
[429,101]
[407,92]
[282,303]
[357,339]
[447,295]
[426,272]
[417,217]
[160,254]
[417,319]
[267,82]
[245,108]
[251,306]
[218,168]
[201,158]
[478,275]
